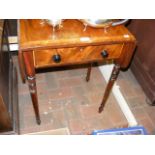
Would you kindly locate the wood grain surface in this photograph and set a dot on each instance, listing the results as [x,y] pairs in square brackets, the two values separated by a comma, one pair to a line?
[33,34]
[43,58]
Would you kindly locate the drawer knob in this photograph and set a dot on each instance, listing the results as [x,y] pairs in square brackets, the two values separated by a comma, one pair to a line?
[104,54]
[56,58]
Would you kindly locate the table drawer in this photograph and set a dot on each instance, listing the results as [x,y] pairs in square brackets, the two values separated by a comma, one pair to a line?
[75,55]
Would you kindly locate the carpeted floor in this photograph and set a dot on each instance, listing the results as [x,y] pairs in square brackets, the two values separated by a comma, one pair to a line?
[66,100]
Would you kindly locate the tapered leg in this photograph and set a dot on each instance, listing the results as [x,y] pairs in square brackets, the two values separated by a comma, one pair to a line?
[33,93]
[108,89]
[30,72]
[88,72]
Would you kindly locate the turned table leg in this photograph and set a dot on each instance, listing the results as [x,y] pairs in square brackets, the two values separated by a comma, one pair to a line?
[30,72]
[110,84]
[88,72]
[21,66]
[33,93]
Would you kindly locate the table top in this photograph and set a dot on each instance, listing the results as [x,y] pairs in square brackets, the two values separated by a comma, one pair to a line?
[34,35]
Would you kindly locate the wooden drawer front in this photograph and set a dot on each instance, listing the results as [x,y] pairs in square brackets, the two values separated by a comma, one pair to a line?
[75,55]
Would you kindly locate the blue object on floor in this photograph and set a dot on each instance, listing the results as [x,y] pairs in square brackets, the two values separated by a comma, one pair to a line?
[137,130]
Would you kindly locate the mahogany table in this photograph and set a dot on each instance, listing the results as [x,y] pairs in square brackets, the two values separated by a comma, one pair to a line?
[40,47]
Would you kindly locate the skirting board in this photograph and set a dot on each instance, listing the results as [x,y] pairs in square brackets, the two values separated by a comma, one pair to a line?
[61,131]
[106,72]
